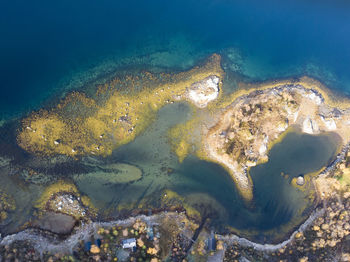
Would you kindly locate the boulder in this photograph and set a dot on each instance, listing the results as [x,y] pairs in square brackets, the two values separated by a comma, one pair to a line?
[300,181]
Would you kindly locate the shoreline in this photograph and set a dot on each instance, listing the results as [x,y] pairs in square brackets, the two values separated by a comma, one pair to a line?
[48,243]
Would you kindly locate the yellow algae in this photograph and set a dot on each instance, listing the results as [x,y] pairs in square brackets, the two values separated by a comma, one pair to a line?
[182,150]
[170,197]
[182,137]
[65,198]
[86,201]
[81,125]
[7,204]
[58,187]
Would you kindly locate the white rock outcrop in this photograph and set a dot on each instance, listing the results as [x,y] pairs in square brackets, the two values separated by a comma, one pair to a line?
[203,92]
[329,123]
[309,126]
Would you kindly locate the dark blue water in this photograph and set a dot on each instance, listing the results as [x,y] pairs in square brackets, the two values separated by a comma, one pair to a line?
[45,44]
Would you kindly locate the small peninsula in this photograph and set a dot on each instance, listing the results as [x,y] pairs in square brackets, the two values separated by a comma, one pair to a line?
[117,112]
[253,122]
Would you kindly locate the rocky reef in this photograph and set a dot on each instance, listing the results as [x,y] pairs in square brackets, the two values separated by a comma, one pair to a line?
[116,112]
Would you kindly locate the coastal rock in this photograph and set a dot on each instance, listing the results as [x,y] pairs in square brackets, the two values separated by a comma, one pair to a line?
[300,181]
[309,126]
[67,204]
[205,91]
[243,132]
[329,123]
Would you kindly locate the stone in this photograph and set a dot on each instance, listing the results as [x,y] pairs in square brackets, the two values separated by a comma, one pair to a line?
[300,181]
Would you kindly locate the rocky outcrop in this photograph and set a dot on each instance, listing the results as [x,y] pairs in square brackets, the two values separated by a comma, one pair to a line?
[253,122]
[203,92]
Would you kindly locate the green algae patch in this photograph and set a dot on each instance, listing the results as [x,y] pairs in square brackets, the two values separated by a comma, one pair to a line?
[114,174]
[114,115]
